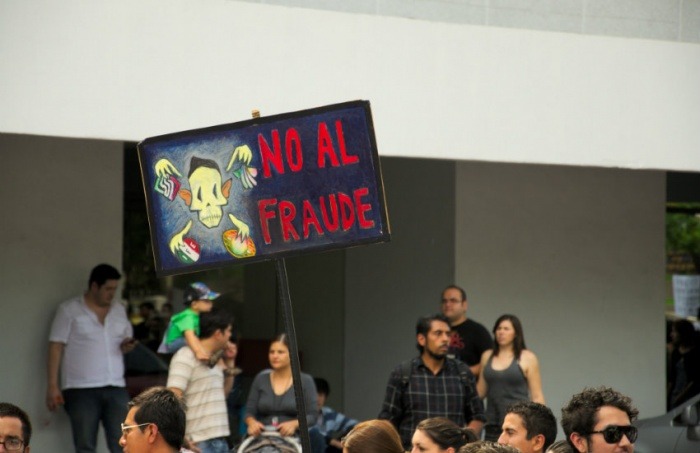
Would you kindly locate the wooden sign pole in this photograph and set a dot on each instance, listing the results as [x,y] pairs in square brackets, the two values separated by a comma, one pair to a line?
[288,316]
[285,300]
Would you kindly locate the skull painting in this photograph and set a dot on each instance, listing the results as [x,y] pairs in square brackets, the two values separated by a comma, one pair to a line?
[207,194]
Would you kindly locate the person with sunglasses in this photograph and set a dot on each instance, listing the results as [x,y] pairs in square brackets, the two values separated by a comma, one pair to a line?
[15,428]
[155,423]
[599,420]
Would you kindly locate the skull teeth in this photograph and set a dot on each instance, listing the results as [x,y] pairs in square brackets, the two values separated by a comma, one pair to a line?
[210,219]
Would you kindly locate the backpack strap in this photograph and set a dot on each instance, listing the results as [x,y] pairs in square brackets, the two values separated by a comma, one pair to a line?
[465,374]
[406,368]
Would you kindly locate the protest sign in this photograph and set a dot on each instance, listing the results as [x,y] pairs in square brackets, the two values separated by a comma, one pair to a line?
[264,188]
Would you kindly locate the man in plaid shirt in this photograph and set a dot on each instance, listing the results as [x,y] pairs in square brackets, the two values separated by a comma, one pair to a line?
[432,385]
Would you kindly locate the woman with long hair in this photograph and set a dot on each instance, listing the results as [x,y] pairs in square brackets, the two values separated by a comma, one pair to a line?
[509,373]
[373,436]
[271,404]
[440,435]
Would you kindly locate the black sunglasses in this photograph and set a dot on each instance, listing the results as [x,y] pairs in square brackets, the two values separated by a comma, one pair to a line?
[613,434]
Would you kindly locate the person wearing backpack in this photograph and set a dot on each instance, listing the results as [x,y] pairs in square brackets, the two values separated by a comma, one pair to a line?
[432,385]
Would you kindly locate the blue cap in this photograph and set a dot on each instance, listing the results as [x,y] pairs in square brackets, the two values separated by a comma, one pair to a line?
[199,291]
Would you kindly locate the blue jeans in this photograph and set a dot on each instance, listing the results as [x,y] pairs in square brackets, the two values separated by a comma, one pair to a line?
[177,343]
[218,445]
[86,408]
[317,440]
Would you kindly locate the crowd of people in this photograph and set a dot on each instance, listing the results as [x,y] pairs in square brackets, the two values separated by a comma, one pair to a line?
[596,420]
[434,403]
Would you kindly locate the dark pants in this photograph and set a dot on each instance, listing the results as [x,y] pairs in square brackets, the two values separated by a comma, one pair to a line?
[88,407]
[218,445]
[317,440]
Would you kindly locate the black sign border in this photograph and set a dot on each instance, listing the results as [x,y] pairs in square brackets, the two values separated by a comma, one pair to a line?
[379,183]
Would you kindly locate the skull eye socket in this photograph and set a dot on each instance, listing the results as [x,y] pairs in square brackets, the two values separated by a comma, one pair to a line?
[214,190]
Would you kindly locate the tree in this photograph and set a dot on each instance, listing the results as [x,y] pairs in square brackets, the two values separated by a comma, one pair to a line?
[683,235]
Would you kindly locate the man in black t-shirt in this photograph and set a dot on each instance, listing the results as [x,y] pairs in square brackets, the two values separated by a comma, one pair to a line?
[469,339]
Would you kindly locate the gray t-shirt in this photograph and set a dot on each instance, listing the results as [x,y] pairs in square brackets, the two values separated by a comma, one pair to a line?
[263,404]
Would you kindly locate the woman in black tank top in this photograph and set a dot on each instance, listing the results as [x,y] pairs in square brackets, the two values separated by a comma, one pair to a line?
[509,373]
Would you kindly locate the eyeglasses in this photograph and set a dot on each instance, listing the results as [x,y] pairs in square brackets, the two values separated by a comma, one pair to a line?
[12,443]
[451,301]
[613,434]
[126,428]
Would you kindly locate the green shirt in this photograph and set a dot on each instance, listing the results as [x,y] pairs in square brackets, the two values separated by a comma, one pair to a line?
[187,319]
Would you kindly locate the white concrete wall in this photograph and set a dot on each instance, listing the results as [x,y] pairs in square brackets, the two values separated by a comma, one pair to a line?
[135,68]
[578,255]
[62,215]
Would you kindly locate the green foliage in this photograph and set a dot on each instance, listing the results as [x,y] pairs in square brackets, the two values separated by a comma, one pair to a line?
[682,233]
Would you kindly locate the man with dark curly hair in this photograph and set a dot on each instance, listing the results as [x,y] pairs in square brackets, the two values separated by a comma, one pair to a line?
[599,420]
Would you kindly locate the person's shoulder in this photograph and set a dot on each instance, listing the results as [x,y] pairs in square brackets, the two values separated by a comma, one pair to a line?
[456,367]
[527,354]
[73,302]
[456,363]
[306,375]
[409,365]
[262,374]
[328,411]
[179,314]
[184,351]
[475,324]
[184,354]
[71,307]
[486,355]
[405,369]
[118,307]
[527,357]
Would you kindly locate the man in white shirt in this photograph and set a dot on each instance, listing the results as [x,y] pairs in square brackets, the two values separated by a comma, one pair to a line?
[89,336]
